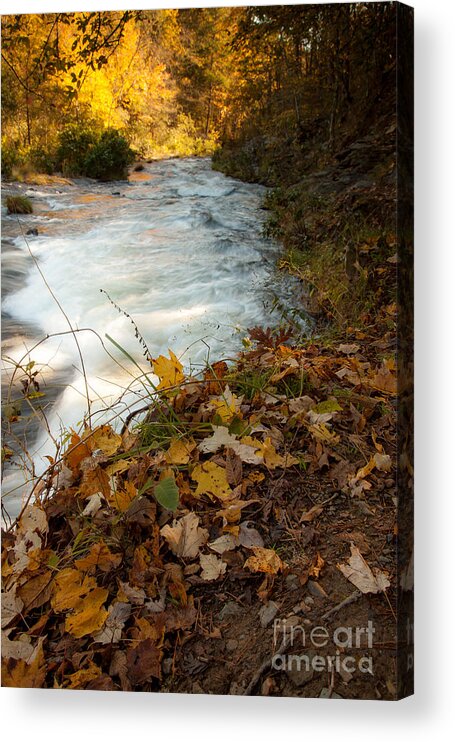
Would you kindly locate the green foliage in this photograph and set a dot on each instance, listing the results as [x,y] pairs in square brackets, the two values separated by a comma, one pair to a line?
[19,205]
[84,151]
[75,141]
[109,157]
[166,493]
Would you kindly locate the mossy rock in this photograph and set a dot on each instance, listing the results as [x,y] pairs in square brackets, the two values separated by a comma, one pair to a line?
[19,205]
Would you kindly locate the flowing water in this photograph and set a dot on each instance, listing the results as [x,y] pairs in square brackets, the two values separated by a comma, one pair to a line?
[178,247]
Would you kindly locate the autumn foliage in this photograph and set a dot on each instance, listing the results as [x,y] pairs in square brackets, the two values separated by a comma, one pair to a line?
[101,572]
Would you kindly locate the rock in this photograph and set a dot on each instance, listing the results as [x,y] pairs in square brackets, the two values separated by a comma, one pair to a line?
[231,645]
[292,582]
[138,168]
[33,232]
[267,613]
[299,670]
[229,610]
[316,589]
[116,193]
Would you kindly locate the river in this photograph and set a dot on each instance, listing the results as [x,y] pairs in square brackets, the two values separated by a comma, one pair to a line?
[178,246]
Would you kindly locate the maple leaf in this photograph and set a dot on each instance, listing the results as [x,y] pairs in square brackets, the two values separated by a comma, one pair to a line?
[179,451]
[80,678]
[99,557]
[227,406]
[25,674]
[264,560]
[361,575]
[105,439]
[184,536]
[221,438]
[80,593]
[169,371]
[212,567]
[118,614]
[211,480]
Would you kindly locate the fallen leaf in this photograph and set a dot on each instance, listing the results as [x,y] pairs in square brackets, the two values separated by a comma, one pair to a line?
[360,574]
[179,451]
[264,560]
[104,439]
[169,371]
[348,348]
[185,537]
[212,567]
[99,557]
[311,514]
[226,542]
[143,662]
[227,406]
[118,614]
[211,480]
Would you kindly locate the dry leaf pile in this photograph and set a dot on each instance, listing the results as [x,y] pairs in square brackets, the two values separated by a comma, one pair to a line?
[106,568]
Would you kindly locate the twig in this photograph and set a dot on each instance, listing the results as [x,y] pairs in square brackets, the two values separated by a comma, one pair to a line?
[266,665]
[347,601]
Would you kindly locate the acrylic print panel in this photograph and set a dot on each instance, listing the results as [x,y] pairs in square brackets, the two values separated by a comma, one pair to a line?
[207,350]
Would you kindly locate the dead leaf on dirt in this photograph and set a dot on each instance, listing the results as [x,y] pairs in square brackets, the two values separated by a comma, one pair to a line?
[226,542]
[311,514]
[316,566]
[143,662]
[185,537]
[211,480]
[212,567]
[249,537]
[264,560]
[361,575]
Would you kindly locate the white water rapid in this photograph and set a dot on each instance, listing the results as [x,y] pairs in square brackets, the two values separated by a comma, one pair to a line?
[179,247]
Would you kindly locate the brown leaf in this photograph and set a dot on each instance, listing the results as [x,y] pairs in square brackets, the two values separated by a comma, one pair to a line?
[311,514]
[360,574]
[185,537]
[143,662]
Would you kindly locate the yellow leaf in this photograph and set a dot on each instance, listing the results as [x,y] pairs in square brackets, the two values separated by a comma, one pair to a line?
[169,371]
[105,439]
[70,586]
[179,451]
[264,560]
[227,406]
[121,499]
[211,480]
[99,557]
[89,616]
[80,678]
[274,460]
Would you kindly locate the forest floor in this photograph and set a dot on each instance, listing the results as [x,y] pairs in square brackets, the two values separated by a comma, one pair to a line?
[241,540]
